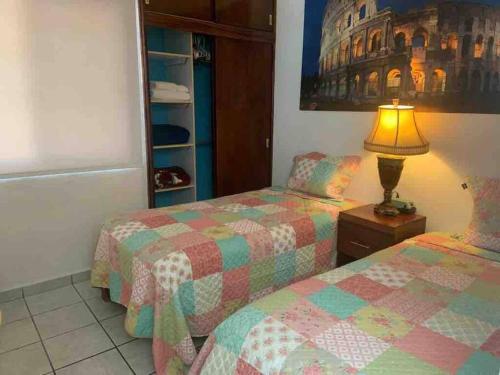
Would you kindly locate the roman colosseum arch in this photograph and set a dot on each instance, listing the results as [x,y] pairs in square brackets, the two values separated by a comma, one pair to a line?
[375,40]
[400,41]
[438,81]
[478,47]
[358,47]
[393,83]
[371,86]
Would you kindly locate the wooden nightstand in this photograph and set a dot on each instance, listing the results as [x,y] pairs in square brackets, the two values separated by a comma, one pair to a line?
[361,232]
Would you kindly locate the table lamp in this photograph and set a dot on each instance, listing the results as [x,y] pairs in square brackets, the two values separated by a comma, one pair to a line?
[395,134]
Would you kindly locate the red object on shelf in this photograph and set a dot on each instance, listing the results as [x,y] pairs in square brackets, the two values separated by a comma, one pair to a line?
[171,177]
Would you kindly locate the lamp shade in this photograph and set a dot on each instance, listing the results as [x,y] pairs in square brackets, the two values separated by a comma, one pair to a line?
[396,132]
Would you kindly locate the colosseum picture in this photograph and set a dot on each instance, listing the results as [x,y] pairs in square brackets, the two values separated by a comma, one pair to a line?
[439,55]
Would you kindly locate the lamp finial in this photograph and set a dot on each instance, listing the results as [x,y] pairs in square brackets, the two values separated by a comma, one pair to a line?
[395,102]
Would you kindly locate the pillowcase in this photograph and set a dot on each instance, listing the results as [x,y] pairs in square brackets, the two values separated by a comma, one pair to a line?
[323,175]
[484,228]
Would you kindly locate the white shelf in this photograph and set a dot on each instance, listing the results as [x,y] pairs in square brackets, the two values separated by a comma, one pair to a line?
[169,58]
[179,145]
[174,189]
[171,101]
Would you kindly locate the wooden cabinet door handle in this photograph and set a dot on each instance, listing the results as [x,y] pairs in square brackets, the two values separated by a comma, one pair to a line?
[360,245]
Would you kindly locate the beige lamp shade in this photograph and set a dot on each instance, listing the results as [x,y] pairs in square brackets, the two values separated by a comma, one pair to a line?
[396,132]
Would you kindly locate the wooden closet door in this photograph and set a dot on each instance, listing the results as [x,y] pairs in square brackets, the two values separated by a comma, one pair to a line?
[201,9]
[252,14]
[243,115]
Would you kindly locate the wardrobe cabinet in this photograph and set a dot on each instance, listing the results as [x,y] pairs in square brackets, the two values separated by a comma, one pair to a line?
[243,112]
[220,55]
[200,9]
[252,14]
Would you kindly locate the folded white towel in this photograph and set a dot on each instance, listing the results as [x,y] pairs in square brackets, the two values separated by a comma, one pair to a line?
[167,96]
[170,86]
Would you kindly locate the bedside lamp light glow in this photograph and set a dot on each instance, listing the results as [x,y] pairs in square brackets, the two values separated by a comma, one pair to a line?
[395,134]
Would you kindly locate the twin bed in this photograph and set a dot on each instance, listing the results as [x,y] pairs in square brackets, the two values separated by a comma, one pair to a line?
[182,270]
[255,272]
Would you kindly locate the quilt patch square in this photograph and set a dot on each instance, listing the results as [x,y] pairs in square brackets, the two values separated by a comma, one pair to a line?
[305,231]
[262,274]
[336,275]
[205,259]
[123,231]
[464,329]
[392,361]
[422,254]
[236,284]
[446,278]
[492,344]
[218,232]
[478,308]
[408,305]
[171,230]
[268,344]
[140,239]
[207,293]
[233,207]
[485,290]
[283,238]
[261,245]
[364,288]
[305,260]
[308,286]
[323,224]
[428,291]
[350,344]
[201,223]
[387,275]
[306,318]
[186,240]
[336,301]
[235,252]
[480,363]
[245,226]
[438,350]
[381,322]
[185,216]
[270,208]
[157,221]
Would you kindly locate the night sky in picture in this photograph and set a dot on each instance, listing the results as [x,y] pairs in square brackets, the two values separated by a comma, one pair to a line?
[314,17]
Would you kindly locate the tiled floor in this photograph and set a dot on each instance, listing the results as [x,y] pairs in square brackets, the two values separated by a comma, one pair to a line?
[69,330]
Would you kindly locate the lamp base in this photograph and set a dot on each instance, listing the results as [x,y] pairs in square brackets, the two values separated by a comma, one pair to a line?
[389,170]
[386,209]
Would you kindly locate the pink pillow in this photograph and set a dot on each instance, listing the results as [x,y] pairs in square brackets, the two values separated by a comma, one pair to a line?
[323,175]
[484,228]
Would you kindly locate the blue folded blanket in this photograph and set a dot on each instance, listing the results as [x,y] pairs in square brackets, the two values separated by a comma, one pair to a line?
[164,134]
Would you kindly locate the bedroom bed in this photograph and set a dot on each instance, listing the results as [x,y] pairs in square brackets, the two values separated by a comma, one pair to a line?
[429,305]
[246,236]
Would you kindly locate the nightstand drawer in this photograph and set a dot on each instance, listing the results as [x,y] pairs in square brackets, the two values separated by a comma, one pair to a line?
[359,242]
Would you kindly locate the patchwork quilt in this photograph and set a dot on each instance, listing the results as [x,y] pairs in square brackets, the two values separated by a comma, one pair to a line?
[430,305]
[210,258]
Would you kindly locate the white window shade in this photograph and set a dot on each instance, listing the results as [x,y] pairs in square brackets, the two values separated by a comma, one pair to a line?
[69,86]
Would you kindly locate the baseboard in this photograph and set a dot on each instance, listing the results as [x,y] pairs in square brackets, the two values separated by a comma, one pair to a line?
[44,286]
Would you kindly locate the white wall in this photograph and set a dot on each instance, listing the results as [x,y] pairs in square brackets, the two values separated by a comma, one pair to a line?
[461,144]
[82,72]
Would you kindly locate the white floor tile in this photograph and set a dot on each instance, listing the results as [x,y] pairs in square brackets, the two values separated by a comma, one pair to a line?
[62,320]
[104,310]
[115,329]
[109,363]
[28,360]
[17,334]
[47,301]
[139,356]
[77,345]
[14,310]
[86,291]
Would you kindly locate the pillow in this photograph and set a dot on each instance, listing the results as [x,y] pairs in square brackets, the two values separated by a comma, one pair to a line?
[323,175]
[484,229]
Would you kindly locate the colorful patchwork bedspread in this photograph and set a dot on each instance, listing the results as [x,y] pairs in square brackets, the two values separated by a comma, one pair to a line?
[430,305]
[229,250]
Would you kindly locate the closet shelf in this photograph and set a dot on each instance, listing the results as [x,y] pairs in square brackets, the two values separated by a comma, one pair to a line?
[171,101]
[169,58]
[174,189]
[179,145]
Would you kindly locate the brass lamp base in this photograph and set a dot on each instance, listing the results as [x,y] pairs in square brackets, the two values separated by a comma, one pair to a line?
[389,170]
